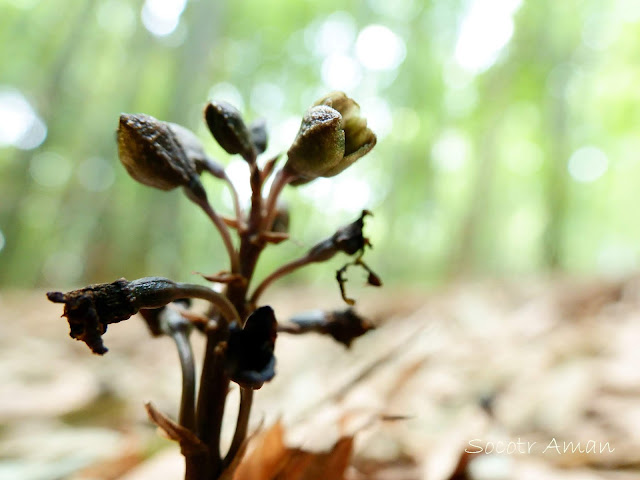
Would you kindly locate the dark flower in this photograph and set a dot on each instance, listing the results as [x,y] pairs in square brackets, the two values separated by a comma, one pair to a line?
[227,127]
[91,309]
[250,359]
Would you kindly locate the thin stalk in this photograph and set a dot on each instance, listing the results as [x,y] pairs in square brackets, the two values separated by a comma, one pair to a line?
[235,199]
[187,416]
[255,216]
[224,306]
[242,425]
[280,272]
[173,324]
[281,180]
[224,232]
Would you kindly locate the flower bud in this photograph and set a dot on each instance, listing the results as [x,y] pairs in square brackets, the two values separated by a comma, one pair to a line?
[282,219]
[227,127]
[359,140]
[325,146]
[258,133]
[154,155]
[189,142]
[319,145]
[250,361]
[343,325]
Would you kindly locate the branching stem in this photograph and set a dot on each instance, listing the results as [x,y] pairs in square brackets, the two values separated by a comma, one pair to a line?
[279,273]
[236,201]
[224,232]
[281,180]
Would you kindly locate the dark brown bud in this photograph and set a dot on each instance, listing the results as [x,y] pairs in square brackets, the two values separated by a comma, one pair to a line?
[227,127]
[282,219]
[91,309]
[154,155]
[190,143]
[250,359]
[344,326]
[258,133]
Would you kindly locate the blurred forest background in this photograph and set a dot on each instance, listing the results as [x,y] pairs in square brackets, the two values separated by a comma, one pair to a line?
[508,131]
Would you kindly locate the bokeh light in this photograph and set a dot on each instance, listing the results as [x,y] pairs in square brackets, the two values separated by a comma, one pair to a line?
[20,125]
[95,174]
[485,30]
[116,17]
[378,48]
[161,17]
[49,169]
[588,164]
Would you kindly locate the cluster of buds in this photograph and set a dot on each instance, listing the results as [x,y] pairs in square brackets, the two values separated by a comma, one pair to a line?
[241,334]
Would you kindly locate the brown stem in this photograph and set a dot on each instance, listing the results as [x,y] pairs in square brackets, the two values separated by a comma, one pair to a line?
[280,181]
[242,425]
[214,382]
[214,385]
[224,306]
[255,217]
[173,324]
[280,272]
[224,232]
[188,400]
[235,199]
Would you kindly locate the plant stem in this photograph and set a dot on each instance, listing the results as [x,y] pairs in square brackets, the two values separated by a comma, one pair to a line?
[187,416]
[280,181]
[224,232]
[235,199]
[242,425]
[222,303]
[214,385]
[280,272]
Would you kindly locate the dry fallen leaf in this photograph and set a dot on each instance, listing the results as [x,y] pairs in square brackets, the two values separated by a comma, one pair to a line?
[270,459]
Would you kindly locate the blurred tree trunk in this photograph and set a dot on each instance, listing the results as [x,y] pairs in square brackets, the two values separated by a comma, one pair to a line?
[24,243]
[557,178]
[466,249]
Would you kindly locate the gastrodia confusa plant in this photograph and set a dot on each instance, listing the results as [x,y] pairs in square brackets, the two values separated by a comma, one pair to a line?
[240,333]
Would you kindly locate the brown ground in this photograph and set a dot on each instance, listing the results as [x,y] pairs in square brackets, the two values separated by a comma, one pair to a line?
[546,361]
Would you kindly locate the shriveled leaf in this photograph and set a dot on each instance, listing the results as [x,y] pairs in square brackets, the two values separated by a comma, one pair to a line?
[190,444]
[270,459]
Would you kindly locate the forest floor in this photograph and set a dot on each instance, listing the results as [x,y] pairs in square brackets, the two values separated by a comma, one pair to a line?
[526,367]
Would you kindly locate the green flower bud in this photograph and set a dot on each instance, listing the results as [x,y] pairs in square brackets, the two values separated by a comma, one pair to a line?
[152,153]
[332,136]
[319,145]
[359,140]
[227,127]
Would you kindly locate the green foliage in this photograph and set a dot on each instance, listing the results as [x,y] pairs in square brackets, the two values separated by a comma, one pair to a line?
[526,165]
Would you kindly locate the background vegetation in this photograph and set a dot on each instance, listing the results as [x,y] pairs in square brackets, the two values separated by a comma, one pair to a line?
[508,139]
